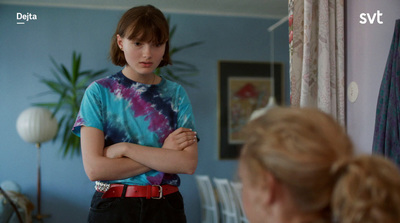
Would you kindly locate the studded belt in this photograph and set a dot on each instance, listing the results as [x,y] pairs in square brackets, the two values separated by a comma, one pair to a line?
[121,190]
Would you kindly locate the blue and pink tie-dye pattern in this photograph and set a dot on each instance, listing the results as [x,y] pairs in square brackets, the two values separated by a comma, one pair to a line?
[127,111]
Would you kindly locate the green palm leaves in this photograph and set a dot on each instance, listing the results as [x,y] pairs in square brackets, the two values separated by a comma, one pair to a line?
[70,86]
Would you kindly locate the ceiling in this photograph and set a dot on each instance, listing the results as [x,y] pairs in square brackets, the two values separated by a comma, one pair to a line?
[248,8]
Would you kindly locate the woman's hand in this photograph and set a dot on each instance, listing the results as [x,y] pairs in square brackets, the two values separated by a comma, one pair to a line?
[180,139]
[115,151]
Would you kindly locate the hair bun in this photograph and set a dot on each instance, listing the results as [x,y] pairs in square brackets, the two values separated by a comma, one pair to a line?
[339,167]
[367,190]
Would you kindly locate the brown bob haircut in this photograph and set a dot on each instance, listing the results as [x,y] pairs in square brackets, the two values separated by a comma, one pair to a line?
[142,23]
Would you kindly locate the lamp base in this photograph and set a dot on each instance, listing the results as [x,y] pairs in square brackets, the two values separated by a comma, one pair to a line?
[40,217]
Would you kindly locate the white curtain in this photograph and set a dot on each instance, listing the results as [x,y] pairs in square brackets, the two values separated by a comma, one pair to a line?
[317,77]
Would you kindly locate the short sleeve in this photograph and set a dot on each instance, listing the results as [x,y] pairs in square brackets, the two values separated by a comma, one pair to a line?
[185,114]
[90,113]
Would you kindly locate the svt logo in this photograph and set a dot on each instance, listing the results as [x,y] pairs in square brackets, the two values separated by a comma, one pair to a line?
[366,17]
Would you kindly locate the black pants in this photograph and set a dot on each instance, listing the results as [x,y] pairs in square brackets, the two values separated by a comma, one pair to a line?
[169,209]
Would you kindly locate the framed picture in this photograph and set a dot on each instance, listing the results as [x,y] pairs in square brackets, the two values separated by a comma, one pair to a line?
[243,88]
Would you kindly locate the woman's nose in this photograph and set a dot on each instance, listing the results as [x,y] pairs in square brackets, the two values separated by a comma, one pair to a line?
[147,51]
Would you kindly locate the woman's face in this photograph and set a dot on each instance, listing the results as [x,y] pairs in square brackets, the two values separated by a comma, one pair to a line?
[142,57]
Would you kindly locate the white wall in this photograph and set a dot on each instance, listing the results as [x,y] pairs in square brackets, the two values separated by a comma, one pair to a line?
[367,51]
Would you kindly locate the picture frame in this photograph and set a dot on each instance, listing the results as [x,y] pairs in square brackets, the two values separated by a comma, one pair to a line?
[243,88]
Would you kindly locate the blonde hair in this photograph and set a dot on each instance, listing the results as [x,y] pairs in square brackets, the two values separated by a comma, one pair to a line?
[307,151]
[367,192]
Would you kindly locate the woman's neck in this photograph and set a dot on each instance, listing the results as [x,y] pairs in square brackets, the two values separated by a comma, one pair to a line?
[150,78]
[285,210]
[296,217]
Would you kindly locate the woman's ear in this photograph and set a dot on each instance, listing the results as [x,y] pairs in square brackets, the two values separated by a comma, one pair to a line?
[270,185]
[119,42]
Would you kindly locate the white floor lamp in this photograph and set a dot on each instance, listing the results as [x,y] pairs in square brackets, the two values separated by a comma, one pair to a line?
[37,125]
[271,101]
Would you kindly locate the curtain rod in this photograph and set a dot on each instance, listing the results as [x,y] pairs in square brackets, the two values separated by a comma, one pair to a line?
[274,26]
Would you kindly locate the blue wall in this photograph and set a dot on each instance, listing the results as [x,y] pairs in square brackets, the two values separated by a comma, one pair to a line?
[25,51]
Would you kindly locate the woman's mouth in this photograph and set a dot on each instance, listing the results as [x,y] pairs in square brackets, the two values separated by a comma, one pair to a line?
[146,64]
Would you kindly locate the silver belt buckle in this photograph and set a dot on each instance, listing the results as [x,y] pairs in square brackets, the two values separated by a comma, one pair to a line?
[101,187]
[160,190]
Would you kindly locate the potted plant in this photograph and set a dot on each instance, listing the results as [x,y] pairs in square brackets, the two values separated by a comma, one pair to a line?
[70,86]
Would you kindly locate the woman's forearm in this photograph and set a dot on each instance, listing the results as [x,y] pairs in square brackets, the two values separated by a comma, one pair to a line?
[164,160]
[177,155]
[116,169]
[99,167]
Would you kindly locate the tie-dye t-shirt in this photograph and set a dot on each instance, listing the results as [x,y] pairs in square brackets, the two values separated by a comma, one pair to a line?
[128,111]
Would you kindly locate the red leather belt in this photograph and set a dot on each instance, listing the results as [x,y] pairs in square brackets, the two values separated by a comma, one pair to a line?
[149,191]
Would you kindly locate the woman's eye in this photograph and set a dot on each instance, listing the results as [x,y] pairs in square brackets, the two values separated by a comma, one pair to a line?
[137,43]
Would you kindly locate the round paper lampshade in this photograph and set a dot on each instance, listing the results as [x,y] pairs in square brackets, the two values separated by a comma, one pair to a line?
[36,125]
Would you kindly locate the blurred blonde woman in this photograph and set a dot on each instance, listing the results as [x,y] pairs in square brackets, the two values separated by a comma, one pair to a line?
[297,165]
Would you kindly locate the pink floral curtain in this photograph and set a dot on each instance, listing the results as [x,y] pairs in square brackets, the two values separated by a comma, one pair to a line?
[316,36]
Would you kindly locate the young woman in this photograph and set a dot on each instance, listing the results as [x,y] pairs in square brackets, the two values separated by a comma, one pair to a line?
[137,128]
[297,165]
